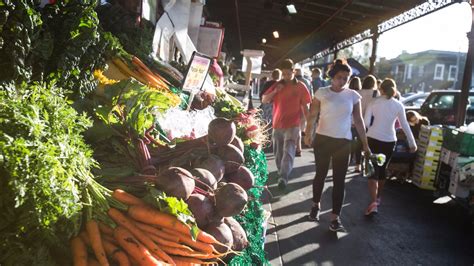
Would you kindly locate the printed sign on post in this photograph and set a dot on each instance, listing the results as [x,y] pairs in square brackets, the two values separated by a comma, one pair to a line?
[196,74]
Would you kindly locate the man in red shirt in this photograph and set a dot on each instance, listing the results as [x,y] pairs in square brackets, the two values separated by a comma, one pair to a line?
[290,99]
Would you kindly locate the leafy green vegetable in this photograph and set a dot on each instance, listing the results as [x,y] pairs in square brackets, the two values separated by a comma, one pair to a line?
[44,168]
[172,205]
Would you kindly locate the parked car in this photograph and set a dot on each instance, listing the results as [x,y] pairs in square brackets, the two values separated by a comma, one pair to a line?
[440,107]
[415,100]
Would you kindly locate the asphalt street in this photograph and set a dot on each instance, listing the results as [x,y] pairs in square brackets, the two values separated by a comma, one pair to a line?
[409,230]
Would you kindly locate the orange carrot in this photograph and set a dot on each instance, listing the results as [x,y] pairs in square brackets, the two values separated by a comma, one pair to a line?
[128,223]
[163,242]
[116,253]
[93,232]
[79,251]
[186,253]
[85,238]
[182,238]
[152,80]
[92,262]
[127,198]
[134,248]
[187,261]
[158,232]
[110,239]
[150,215]
[106,229]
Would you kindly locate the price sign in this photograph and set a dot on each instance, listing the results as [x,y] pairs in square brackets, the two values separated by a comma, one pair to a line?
[196,74]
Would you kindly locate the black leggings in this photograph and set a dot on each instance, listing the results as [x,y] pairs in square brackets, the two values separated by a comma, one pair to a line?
[377,146]
[327,148]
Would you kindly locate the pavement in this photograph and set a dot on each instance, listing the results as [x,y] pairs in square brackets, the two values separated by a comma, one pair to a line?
[409,229]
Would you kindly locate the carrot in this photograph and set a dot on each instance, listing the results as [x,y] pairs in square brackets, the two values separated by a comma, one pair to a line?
[158,232]
[79,251]
[204,247]
[126,222]
[116,253]
[186,253]
[93,232]
[134,248]
[187,261]
[150,215]
[85,238]
[105,228]
[139,64]
[163,242]
[110,239]
[124,68]
[93,262]
[127,198]
[152,81]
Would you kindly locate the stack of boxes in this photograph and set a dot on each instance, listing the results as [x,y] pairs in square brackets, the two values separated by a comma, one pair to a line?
[459,149]
[428,156]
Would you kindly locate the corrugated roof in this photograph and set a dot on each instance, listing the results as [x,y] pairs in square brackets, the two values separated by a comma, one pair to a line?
[317,25]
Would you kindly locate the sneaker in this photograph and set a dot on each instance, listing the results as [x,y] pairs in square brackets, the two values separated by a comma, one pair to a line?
[336,225]
[281,184]
[314,214]
[378,201]
[372,209]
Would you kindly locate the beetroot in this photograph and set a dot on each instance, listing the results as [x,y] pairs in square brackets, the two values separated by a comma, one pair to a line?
[202,208]
[242,177]
[204,176]
[177,182]
[230,199]
[239,235]
[238,143]
[222,233]
[213,164]
[232,157]
[221,132]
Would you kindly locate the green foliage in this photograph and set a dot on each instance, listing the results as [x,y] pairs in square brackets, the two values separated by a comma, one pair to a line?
[252,219]
[227,106]
[44,165]
[172,205]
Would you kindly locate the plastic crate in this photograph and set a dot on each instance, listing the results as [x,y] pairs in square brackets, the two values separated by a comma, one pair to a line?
[458,141]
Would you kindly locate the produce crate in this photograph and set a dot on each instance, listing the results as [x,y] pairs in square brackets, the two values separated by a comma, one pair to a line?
[458,141]
[445,155]
[455,187]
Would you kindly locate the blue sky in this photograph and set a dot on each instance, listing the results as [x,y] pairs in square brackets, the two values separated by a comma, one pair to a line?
[444,29]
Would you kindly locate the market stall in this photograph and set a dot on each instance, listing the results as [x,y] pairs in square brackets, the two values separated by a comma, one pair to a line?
[107,158]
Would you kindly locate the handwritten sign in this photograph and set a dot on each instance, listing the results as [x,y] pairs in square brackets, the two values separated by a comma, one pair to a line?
[197,71]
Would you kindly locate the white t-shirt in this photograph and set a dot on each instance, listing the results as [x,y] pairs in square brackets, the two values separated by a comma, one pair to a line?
[385,112]
[335,113]
[367,97]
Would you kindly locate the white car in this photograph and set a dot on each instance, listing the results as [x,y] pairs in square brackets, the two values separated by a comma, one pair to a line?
[415,100]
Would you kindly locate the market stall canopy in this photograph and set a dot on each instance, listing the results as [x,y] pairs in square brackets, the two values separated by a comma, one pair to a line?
[316,26]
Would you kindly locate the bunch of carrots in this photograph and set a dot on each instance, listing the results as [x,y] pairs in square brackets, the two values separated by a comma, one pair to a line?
[136,69]
[142,236]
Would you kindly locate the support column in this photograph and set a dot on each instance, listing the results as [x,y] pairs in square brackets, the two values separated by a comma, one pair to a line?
[467,77]
[373,57]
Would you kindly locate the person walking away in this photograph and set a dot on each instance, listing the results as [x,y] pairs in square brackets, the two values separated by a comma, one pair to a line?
[356,145]
[336,105]
[381,135]
[290,98]
[300,77]
[267,108]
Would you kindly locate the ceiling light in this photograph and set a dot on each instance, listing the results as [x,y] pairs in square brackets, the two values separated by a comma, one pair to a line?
[264,40]
[291,9]
[276,34]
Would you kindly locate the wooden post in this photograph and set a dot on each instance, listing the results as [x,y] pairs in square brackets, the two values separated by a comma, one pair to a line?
[467,77]
[373,57]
